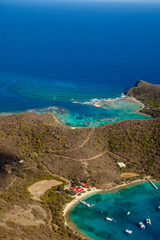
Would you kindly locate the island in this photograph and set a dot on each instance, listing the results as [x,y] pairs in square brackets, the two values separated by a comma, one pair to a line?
[37,148]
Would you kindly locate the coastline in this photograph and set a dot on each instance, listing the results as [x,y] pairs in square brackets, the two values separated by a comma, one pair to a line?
[96,104]
[72,204]
[128,98]
[133,99]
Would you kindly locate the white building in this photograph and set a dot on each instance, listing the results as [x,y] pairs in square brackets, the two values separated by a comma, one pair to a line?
[121,164]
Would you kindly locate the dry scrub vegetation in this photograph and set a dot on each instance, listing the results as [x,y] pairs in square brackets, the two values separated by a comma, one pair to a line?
[53,151]
[149,94]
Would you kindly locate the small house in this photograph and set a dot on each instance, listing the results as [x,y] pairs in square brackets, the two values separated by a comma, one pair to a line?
[121,164]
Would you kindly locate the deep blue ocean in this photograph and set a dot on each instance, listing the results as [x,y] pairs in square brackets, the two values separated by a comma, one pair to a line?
[142,200]
[60,57]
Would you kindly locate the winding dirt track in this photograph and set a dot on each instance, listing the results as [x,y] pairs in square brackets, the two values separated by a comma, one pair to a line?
[54,175]
[134,162]
[81,159]
[81,145]
[15,178]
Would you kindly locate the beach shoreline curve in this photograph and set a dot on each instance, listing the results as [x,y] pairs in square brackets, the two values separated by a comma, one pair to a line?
[68,207]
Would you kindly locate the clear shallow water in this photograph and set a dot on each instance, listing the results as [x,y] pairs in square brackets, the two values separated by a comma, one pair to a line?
[141,200]
[87,115]
[65,55]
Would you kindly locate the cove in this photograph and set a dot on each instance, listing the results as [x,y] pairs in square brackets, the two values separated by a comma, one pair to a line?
[142,200]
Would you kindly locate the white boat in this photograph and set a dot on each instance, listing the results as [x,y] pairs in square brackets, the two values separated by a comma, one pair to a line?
[141,224]
[148,221]
[159,207]
[128,213]
[109,219]
[128,231]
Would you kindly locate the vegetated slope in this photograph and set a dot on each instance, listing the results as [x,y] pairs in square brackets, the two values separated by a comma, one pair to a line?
[39,139]
[29,137]
[136,141]
[149,94]
[25,137]
[45,146]
[88,154]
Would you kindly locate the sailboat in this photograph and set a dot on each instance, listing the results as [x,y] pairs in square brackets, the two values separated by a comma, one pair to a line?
[148,221]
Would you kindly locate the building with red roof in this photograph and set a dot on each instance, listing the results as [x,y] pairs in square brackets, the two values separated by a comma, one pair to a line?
[77,189]
[84,185]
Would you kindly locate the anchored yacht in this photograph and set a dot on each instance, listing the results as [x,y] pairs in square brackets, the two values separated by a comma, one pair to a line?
[141,224]
[109,219]
[148,221]
[128,231]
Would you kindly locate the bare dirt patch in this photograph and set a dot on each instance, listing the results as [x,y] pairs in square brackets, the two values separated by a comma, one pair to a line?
[38,189]
[129,175]
[34,215]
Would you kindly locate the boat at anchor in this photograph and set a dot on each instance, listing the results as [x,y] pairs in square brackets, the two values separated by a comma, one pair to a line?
[128,231]
[141,224]
[148,221]
[109,219]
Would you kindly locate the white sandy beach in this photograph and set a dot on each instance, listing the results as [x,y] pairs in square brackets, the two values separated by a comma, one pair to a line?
[93,191]
[88,193]
[77,198]
[97,103]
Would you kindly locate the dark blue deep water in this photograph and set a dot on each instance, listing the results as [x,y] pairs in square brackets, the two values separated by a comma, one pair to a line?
[64,55]
[142,200]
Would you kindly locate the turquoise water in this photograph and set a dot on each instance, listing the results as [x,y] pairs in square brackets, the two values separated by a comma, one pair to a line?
[60,57]
[21,93]
[141,200]
[86,115]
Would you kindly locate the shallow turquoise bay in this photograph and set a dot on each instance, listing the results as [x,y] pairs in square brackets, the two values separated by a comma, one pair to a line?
[87,115]
[141,200]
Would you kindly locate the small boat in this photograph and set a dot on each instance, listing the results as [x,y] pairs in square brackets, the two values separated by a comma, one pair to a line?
[128,231]
[141,224]
[148,221]
[158,207]
[109,219]
[128,213]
